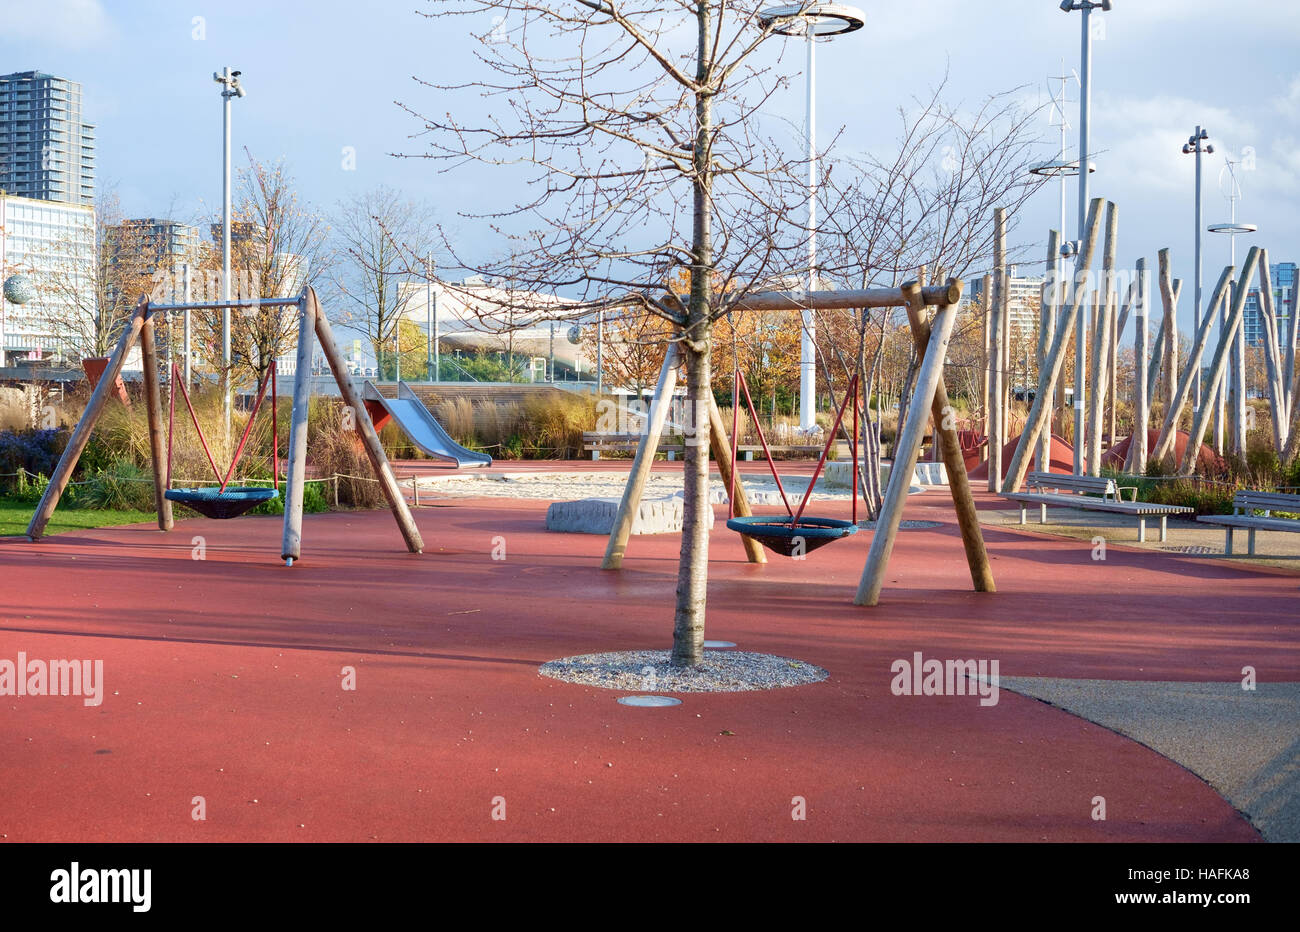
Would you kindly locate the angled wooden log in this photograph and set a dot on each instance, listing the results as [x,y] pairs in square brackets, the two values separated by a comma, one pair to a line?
[1169,429]
[997,410]
[1050,304]
[945,439]
[1272,355]
[85,426]
[1137,447]
[1112,394]
[1170,329]
[366,428]
[1051,374]
[720,444]
[296,455]
[633,491]
[1156,370]
[1220,361]
[1099,373]
[900,475]
[153,413]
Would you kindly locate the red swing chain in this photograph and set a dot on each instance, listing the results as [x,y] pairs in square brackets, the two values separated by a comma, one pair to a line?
[830,438]
[243,440]
[740,378]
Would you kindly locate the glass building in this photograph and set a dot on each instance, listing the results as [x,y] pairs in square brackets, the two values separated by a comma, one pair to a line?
[53,245]
[1283,275]
[47,152]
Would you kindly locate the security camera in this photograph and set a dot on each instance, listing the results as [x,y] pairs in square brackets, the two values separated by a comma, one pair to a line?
[235,74]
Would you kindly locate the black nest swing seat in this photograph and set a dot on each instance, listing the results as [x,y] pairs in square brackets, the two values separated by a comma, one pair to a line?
[781,535]
[792,534]
[217,503]
[222,501]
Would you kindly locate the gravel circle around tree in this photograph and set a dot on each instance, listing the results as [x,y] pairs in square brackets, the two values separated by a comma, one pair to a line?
[650,671]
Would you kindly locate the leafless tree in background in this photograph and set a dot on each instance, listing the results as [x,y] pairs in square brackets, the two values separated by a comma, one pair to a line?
[377,235]
[926,204]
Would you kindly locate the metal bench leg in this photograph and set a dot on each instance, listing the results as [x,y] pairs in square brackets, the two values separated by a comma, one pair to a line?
[1227,543]
[1164,528]
[1250,542]
[1042,514]
[1142,531]
[1023,516]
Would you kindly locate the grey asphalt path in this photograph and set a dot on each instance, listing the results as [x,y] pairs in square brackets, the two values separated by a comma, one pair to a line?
[1246,744]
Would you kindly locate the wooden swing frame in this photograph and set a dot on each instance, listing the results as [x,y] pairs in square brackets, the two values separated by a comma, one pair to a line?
[311,323]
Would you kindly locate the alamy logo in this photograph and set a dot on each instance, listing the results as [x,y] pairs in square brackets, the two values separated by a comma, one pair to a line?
[87,885]
[53,678]
[918,677]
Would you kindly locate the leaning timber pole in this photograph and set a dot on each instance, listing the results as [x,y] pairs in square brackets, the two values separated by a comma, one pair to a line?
[1169,430]
[891,512]
[81,433]
[1098,374]
[1220,360]
[153,412]
[1048,378]
[945,434]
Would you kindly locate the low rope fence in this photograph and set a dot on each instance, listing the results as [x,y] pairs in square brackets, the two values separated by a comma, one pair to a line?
[27,475]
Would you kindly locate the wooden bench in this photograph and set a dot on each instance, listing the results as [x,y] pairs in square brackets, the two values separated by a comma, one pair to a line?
[1090,493]
[746,451]
[1244,505]
[596,443]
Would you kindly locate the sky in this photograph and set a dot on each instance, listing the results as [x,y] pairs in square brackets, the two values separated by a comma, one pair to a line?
[325,78]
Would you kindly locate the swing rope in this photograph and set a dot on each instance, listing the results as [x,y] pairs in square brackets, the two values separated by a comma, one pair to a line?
[267,381]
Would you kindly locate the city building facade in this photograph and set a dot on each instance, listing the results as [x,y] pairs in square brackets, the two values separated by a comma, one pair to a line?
[52,244]
[1283,275]
[47,151]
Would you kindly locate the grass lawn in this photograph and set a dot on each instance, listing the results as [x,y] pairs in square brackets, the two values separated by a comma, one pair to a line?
[15,516]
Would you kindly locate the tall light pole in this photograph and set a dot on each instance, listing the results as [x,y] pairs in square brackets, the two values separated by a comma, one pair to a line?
[1232,228]
[1075,248]
[230,89]
[1060,167]
[811,21]
[1194,145]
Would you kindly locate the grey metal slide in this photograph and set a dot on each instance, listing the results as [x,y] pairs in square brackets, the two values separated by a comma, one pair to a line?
[422,427]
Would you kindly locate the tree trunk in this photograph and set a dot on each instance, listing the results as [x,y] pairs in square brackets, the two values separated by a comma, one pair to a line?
[693,564]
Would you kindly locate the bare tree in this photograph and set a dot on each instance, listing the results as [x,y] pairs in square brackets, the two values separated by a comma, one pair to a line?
[927,204]
[636,129]
[278,245]
[93,283]
[377,234]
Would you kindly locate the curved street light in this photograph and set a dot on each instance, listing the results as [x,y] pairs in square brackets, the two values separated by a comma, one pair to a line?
[811,21]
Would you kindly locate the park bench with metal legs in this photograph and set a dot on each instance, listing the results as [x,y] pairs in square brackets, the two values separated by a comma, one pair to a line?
[1245,504]
[1090,493]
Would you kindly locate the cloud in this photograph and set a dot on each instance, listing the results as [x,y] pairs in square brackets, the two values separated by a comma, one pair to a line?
[70,24]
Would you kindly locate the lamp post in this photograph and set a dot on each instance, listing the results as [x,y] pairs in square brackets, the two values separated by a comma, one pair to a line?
[1075,248]
[1060,167]
[811,21]
[1194,145]
[230,89]
[1237,356]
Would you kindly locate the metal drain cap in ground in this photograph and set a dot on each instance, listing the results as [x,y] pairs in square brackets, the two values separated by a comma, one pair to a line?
[649,702]
[717,645]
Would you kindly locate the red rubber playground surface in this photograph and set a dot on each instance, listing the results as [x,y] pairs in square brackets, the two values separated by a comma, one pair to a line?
[223,680]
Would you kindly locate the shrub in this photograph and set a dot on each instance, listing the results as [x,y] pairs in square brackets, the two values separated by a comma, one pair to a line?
[31,451]
[123,486]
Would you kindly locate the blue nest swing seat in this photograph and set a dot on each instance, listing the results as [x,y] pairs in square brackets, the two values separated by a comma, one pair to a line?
[215,503]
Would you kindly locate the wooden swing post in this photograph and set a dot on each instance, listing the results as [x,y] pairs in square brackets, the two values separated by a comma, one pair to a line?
[81,433]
